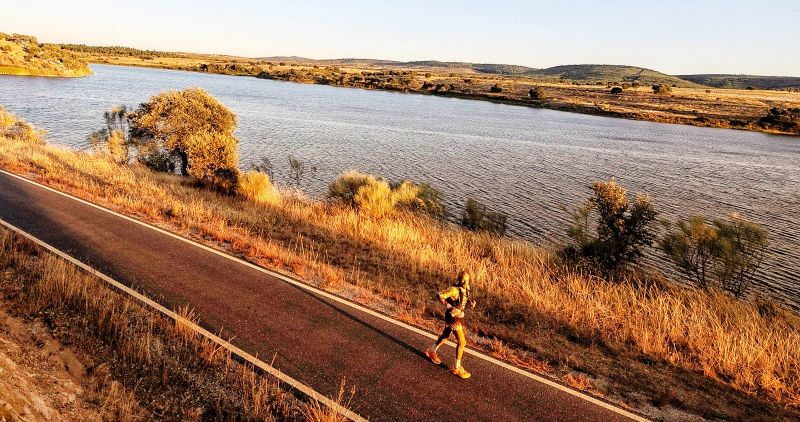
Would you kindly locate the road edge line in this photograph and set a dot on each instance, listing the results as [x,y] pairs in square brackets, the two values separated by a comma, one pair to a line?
[298,283]
[282,377]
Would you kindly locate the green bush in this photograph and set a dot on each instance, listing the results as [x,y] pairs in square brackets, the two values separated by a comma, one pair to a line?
[345,187]
[614,239]
[477,217]
[616,90]
[368,194]
[730,250]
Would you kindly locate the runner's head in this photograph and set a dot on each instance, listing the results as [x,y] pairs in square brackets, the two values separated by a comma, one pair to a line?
[463,279]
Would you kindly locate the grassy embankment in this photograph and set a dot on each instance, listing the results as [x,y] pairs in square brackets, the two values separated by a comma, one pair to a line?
[651,345]
[141,364]
[22,55]
[581,88]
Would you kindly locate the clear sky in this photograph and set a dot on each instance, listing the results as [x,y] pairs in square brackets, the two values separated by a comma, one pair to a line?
[700,36]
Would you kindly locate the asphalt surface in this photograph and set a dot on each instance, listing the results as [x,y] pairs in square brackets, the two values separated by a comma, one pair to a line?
[316,340]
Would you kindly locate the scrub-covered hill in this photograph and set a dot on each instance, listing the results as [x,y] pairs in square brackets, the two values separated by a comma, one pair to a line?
[23,55]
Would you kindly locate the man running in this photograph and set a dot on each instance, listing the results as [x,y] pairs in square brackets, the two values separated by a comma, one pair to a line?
[455,299]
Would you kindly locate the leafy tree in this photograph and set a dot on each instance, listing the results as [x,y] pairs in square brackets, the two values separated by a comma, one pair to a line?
[195,132]
[731,251]
[741,252]
[693,247]
[113,140]
[477,217]
[619,231]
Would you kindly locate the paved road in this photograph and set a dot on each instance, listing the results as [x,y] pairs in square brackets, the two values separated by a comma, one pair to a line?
[316,340]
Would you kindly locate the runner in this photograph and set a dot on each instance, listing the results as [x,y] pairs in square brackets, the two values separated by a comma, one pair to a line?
[455,299]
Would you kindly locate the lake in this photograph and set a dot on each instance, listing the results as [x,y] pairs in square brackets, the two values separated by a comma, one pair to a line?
[525,162]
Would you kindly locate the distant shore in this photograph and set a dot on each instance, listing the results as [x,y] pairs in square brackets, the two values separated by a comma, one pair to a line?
[695,106]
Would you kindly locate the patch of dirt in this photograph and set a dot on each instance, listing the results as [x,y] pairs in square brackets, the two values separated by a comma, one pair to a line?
[40,378]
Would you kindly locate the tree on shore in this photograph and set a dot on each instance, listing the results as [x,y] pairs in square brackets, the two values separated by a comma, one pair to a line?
[188,131]
[728,252]
[477,217]
[609,230]
[113,140]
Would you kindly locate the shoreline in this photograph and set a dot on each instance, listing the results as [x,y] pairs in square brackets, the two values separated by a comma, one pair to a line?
[698,121]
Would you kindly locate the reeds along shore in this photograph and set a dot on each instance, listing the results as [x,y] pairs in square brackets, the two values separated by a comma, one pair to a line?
[529,301]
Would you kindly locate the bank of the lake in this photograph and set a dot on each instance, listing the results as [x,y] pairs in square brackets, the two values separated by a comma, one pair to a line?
[525,162]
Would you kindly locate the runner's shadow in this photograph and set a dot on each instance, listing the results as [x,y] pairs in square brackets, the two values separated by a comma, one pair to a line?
[415,350]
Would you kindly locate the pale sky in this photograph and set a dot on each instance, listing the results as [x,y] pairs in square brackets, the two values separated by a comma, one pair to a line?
[677,37]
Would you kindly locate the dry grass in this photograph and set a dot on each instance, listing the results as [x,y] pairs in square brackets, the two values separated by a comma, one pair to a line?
[523,291]
[23,56]
[153,363]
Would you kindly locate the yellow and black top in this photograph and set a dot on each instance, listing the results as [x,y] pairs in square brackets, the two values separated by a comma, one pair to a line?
[457,297]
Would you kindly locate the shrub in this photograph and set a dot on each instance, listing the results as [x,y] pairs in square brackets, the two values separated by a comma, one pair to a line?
[419,198]
[661,89]
[741,251]
[345,187]
[366,192]
[496,88]
[112,141]
[616,90]
[194,130]
[537,93]
[375,198]
[477,217]
[256,186]
[213,159]
[692,247]
[730,250]
[12,127]
[785,119]
[621,229]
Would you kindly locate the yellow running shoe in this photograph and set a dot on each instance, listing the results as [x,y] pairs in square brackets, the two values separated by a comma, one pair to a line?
[461,372]
[433,357]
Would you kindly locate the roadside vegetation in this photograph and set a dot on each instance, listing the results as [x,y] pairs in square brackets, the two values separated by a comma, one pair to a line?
[141,364]
[586,314]
[23,55]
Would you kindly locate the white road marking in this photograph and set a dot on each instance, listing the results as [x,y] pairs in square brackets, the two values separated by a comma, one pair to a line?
[341,300]
[297,385]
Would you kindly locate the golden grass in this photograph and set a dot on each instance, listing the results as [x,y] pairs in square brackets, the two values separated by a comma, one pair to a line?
[163,350]
[23,56]
[521,288]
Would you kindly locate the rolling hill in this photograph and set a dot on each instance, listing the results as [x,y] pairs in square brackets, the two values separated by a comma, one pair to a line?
[612,73]
[744,81]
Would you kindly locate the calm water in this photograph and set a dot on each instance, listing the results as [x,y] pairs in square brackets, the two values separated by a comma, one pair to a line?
[525,162]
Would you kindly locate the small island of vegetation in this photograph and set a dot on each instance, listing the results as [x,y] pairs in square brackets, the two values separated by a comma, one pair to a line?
[23,55]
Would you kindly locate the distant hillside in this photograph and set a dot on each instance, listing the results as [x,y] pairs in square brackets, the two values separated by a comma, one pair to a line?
[501,69]
[23,55]
[612,73]
[745,81]
[587,73]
